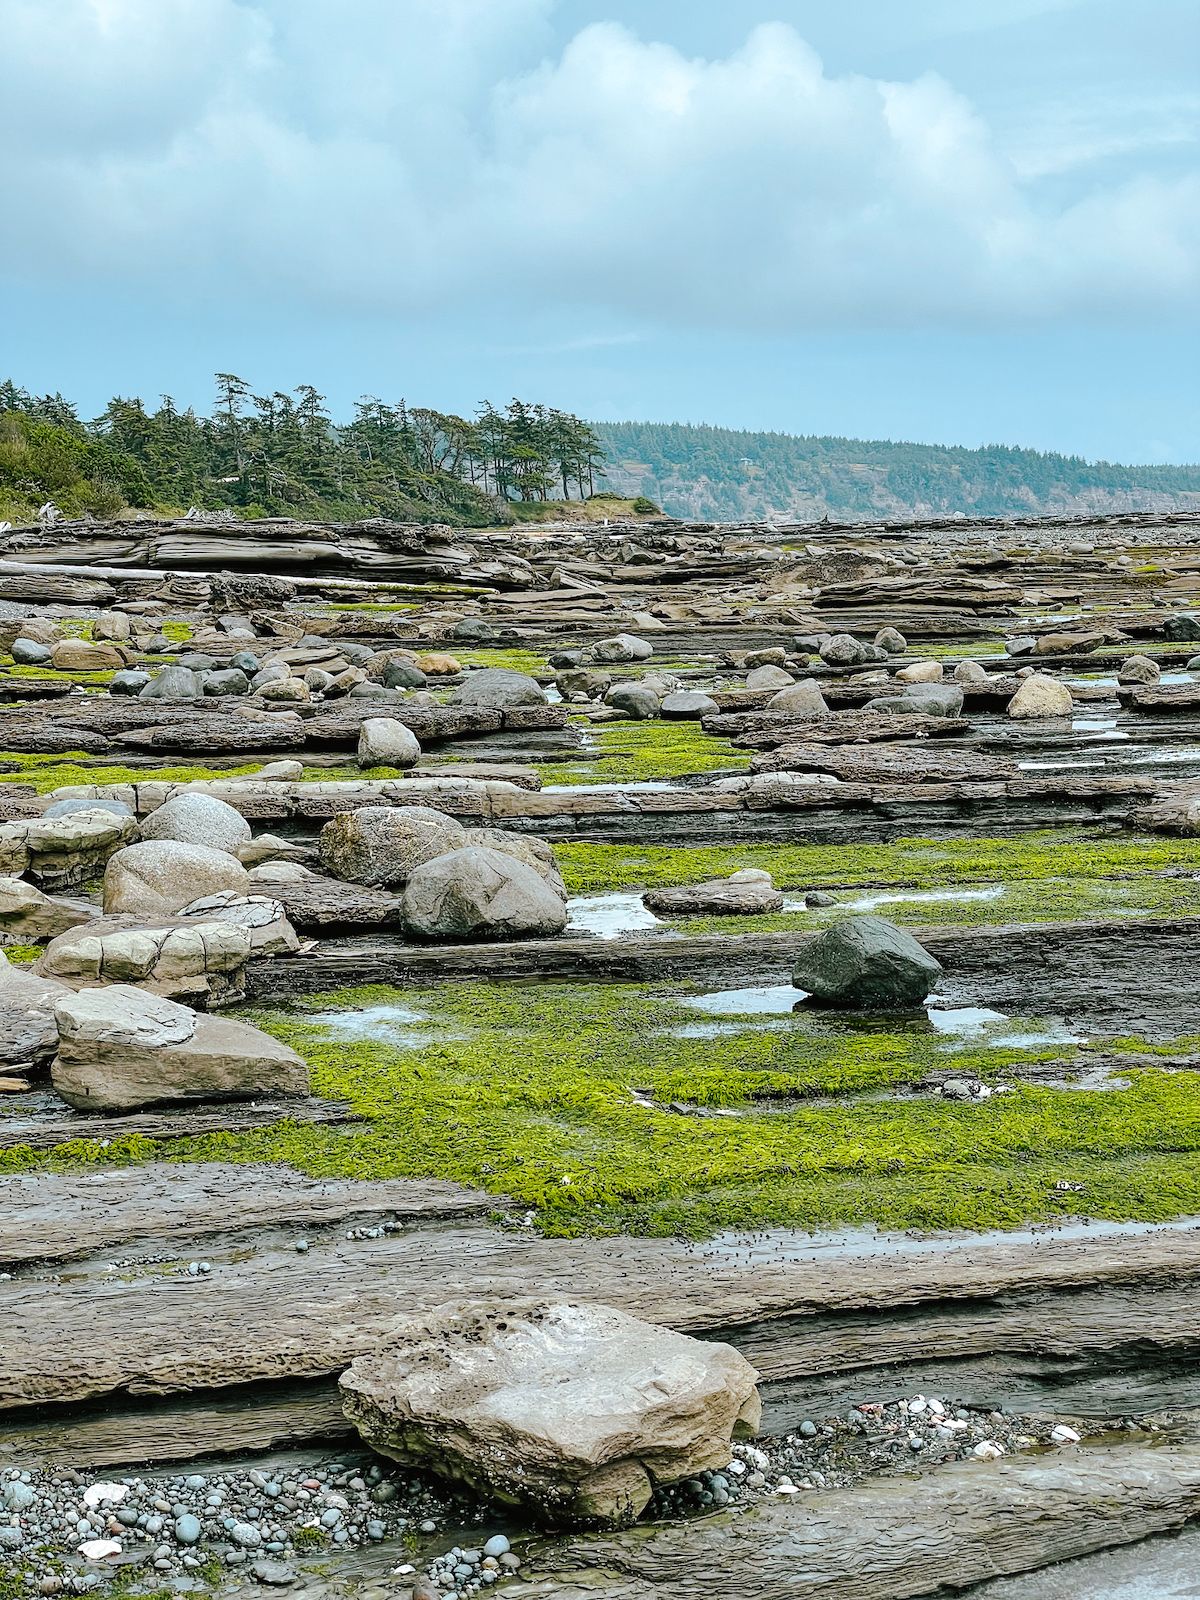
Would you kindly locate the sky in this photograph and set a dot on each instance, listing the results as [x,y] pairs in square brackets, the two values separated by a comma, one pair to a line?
[956,221]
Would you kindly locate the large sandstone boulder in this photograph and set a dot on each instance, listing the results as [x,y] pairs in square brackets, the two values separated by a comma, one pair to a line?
[78,655]
[28,1033]
[382,845]
[1139,669]
[495,688]
[866,962]
[61,852]
[384,742]
[573,1411]
[480,893]
[28,916]
[203,962]
[193,818]
[1041,696]
[120,1048]
[160,876]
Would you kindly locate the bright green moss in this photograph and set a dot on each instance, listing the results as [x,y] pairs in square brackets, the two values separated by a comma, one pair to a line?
[559,1095]
[88,680]
[1050,900]
[75,767]
[638,752]
[177,632]
[917,863]
[21,955]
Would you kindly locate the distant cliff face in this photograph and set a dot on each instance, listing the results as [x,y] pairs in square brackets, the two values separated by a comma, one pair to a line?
[723,474]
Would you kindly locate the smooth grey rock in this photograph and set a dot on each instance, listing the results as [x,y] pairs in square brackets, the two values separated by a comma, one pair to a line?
[687,705]
[29,916]
[892,641]
[245,661]
[30,653]
[163,875]
[634,699]
[129,681]
[745,893]
[119,1048]
[229,681]
[624,647]
[70,804]
[173,683]
[480,893]
[195,818]
[803,699]
[403,675]
[526,847]
[768,677]
[384,742]
[844,650]
[922,699]
[868,963]
[1023,645]
[495,688]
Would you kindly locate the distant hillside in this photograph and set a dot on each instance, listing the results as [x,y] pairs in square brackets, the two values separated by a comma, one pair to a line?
[723,474]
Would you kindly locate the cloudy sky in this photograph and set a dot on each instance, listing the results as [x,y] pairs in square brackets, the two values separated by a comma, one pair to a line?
[952,220]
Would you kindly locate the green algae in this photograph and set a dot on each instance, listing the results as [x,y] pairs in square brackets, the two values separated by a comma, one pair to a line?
[638,752]
[560,1095]
[75,767]
[1033,857]
[1045,900]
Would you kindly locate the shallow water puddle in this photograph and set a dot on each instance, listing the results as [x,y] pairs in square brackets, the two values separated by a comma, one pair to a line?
[977,1023]
[381,1025]
[608,916]
[887,897]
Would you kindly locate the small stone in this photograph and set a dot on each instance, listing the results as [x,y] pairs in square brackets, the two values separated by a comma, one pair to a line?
[497,1546]
[276,1573]
[187,1527]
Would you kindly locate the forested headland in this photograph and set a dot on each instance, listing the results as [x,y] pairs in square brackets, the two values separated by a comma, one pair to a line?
[729,475]
[283,454]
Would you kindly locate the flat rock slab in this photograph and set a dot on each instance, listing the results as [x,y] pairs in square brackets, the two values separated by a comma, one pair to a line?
[884,763]
[286,1316]
[895,1539]
[57,1216]
[765,729]
[319,904]
[46,1130]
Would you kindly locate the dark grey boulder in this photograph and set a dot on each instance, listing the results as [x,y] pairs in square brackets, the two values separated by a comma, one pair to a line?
[634,700]
[688,705]
[403,675]
[229,681]
[1184,626]
[495,688]
[197,661]
[173,683]
[29,653]
[246,661]
[867,963]
[922,700]
[128,681]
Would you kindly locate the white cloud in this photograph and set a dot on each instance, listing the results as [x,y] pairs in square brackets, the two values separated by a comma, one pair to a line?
[410,157]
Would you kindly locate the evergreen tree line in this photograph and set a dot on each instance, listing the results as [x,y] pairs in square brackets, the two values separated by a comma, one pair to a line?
[282,454]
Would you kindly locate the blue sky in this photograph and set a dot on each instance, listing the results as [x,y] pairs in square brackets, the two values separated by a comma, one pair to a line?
[945,220]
